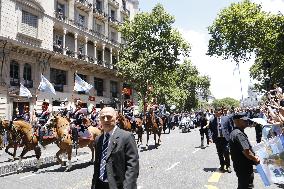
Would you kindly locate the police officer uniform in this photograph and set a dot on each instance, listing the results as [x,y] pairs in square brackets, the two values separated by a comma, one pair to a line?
[242,165]
[78,115]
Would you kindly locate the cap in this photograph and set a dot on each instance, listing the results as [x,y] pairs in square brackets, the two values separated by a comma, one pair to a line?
[45,103]
[242,116]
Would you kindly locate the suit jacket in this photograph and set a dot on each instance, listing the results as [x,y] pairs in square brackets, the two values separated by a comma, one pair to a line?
[122,160]
[226,125]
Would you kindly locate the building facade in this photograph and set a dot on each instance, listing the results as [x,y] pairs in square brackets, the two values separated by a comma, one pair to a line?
[253,98]
[58,38]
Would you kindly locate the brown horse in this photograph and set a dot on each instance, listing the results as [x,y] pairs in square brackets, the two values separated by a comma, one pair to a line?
[139,129]
[22,133]
[62,126]
[124,122]
[151,126]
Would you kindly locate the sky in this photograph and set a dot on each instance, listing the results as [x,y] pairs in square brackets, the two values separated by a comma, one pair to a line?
[192,19]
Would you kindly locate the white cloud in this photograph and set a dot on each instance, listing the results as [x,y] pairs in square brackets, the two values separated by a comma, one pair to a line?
[224,81]
[273,6]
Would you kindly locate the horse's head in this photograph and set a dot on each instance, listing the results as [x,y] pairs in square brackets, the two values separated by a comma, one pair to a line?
[52,121]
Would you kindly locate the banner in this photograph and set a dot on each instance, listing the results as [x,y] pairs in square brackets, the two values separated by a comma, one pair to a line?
[271,154]
[46,86]
[81,85]
[24,91]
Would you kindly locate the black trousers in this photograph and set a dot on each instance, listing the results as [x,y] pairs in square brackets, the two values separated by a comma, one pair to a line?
[204,131]
[223,151]
[101,185]
[258,132]
[245,179]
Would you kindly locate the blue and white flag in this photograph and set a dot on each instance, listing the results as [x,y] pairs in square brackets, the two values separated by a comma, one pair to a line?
[24,91]
[46,86]
[81,85]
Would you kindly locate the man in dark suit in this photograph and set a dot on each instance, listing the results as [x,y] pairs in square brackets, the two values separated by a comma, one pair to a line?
[219,131]
[117,161]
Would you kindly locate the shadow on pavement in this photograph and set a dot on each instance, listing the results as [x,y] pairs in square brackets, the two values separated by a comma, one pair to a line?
[17,158]
[209,169]
[280,185]
[74,167]
[150,147]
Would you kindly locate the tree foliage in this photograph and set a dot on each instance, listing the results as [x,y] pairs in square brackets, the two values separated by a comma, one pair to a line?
[151,55]
[244,28]
[226,103]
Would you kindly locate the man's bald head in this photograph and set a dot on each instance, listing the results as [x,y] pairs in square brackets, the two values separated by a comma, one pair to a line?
[108,118]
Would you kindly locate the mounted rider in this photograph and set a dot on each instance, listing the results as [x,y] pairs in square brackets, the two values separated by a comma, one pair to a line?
[128,111]
[157,113]
[26,114]
[78,116]
[94,116]
[43,117]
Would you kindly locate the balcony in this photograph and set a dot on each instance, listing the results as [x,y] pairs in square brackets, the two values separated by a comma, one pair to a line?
[114,3]
[84,5]
[57,48]
[79,24]
[14,82]
[99,14]
[125,11]
[115,42]
[92,59]
[100,62]
[58,87]
[98,34]
[113,22]
[82,56]
[28,83]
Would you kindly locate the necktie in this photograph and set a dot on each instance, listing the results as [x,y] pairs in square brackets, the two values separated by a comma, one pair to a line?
[103,173]
[220,127]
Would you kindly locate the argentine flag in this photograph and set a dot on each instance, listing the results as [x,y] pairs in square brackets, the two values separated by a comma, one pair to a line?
[46,86]
[24,91]
[81,85]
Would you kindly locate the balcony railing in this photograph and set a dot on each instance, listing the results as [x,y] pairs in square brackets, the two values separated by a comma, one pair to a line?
[28,83]
[100,62]
[115,42]
[60,16]
[70,53]
[113,21]
[99,14]
[84,5]
[14,82]
[82,56]
[57,48]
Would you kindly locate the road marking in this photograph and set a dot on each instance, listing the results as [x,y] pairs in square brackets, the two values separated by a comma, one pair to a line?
[27,176]
[196,150]
[215,177]
[171,167]
[210,187]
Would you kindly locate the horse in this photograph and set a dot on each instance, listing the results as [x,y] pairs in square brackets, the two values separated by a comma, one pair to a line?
[152,126]
[62,127]
[23,134]
[124,123]
[139,129]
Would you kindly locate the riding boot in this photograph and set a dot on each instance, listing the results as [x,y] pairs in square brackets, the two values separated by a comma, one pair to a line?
[202,142]
[75,136]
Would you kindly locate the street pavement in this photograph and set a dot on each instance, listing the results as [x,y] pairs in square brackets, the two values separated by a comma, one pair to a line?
[178,163]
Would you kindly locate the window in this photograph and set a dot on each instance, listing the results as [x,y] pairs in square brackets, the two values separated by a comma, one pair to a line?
[14,73]
[99,28]
[100,56]
[59,78]
[99,5]
[61,11]
[112,14]
[113,36]
[114,89]
[29,24]
[81,20]
[27,72]
[59,40]
[14,70]
[99,86]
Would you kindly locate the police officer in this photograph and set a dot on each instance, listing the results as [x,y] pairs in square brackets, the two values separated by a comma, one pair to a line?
[43,118]
[243,156]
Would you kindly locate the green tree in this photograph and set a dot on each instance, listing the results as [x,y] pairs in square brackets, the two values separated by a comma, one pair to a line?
[243,29]
[225,102]
[152,51]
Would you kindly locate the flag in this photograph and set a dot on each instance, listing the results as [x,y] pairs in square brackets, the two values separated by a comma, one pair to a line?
[24,91]
[46,86]
[81,85]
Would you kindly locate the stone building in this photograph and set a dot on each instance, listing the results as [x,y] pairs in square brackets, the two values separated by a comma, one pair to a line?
[58,38]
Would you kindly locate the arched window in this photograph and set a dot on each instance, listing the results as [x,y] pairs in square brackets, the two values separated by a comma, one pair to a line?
[27,72]
[14,69]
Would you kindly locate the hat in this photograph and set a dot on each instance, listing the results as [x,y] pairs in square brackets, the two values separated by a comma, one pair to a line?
[45,103]
[242,116]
